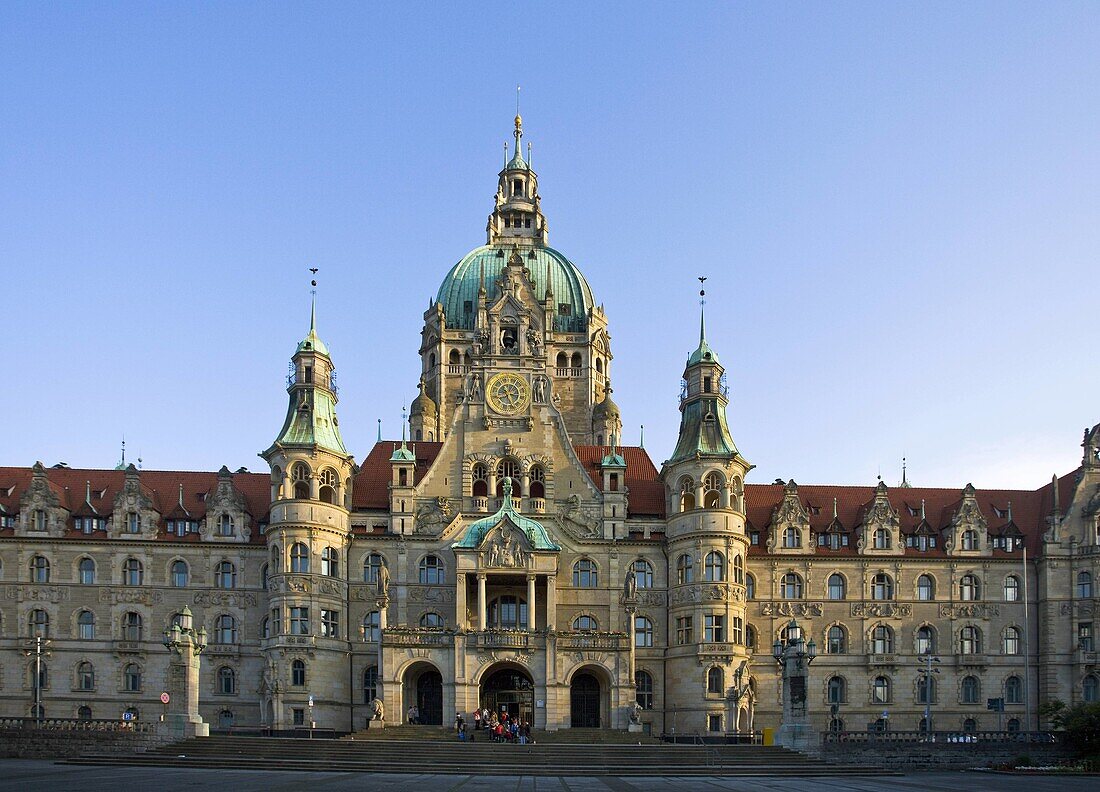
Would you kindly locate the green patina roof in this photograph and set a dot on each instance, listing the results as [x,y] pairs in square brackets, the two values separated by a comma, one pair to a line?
[516,163]
[613,459]
[703,354]
[704,431]
[402,454]
[313,343]
[534,531]
[462,283]
[313,427]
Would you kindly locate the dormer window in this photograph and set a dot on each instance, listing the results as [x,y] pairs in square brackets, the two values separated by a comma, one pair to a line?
[468,307]
[225,525]
[133,523]
[39,520]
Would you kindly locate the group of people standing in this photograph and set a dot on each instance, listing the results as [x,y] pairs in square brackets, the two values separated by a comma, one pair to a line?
[498,728]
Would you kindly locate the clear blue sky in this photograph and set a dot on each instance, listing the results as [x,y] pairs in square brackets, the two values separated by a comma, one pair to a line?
[898,207]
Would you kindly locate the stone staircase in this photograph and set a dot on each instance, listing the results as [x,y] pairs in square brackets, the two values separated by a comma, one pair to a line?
[388,755]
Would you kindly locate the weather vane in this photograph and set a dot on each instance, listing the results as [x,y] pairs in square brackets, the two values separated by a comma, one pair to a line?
[313,282]
[702,291]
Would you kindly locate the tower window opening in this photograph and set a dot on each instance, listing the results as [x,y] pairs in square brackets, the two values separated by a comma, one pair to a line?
[527,222]
[309,374]
[507,222]
[707,386]
[517,186]
[565,309]
[468,306]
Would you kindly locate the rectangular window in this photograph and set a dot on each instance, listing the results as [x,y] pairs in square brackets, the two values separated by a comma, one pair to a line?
[1084,636]
[754,538]
[706,384]
[330,623]
[299,717]
[737,630]
[714,628]
[133,523]
[714,723]
[309,374]
[468,306]
[276,621]
[684,630]
[299,621]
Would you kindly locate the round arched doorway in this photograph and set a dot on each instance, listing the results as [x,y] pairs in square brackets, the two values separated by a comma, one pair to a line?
[509,690]
[423,687]
[584,701]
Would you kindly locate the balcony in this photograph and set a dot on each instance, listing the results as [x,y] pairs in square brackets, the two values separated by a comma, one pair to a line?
[223,650]
[882,659]
[584,641]
[287,640]
[481,504]
[568,372]
[505,639]
[453,368]
[417,636]
[538,505]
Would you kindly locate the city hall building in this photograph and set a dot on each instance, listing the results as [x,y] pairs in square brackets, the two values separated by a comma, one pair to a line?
[510,552]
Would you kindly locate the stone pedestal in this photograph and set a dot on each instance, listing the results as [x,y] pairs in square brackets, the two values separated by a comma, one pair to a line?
[185,645]
[636,728]
[374,723]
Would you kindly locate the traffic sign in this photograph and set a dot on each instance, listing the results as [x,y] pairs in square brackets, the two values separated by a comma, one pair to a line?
[127,715]
[165,698]
[311,699]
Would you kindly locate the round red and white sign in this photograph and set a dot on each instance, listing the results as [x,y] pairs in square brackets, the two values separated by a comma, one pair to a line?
[165,698]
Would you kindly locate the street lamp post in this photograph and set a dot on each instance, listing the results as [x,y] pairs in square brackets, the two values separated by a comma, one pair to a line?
[794,655]
[38,651]
[928,671]
[185,646]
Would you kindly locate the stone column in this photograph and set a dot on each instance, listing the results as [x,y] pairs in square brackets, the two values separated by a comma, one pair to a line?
[460,601]
[551,603]
[531,621]
[482,616]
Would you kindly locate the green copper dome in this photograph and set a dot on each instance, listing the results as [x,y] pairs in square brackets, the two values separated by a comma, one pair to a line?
[458,293]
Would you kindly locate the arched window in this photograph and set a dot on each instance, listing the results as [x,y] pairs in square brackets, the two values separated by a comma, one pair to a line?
[712,491]
[131,678]
[85,676]
[882,639]
[38,624]
[330,562]
[970,640]
[370,684]
[225,525]
[925,640]
[926,588]
[432,570]
[880,690]
[714,567]
[265,573]
[227,681]
[299,473]
[1084,585]
[84,713]
[970,540]
[1012,589]
[265,627]
[837,586]
[562,360]
[750,636]
[685,569]
[836,640]
[575,360]
[276,559]
[87,571]
[790,586]
[715,681]
[298,673]
[882,587]
[1011,642]
[738,569]
[371,564]
[643,685]
[1090,689]
[969,589]
[1014,690]
[507,469]
[132,625]
[838,690]
[299,558]
[1013,725]
[480,479]
[179,574]
[537,477]
[970,726]
[225,575]
[432,620]
[585,624]
[643,632]
[881,539]
[40,569]
[643,574]
[329,482]
[926,689]
[792,537]
[225,630]
[133,574]
[750,587]
[687,494]
[372,630]
[85,626]
[584,574]
[971,691]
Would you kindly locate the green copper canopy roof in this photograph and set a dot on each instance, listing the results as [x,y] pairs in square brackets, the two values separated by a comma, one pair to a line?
[458,291]
[536,534]
[314,425]
[703,354]
[516,163]
[704,431]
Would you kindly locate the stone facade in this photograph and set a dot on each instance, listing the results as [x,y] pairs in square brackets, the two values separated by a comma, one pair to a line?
[510,552]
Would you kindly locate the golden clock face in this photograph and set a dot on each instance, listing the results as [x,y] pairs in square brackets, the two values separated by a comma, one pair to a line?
[507,393]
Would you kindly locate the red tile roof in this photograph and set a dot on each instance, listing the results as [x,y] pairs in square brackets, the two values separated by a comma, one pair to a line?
[647,493]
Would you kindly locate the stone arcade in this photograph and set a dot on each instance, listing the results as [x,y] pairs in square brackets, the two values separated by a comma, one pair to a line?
[510,552]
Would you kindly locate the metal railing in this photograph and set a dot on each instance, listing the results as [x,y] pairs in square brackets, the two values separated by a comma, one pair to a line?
[946,737]
[615,642]
[75,724]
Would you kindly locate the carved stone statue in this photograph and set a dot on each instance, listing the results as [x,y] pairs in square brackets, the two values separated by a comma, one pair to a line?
[475,386]
[630,585]
[378,710]
[383,588]
[430,517]
[533,340]
[538,389]
[636,713]
[570,512]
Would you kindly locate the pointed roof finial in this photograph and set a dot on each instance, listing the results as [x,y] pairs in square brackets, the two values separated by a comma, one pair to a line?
[702,302]
[922,508]
[181,494]
[379,430]
[404,421]
[835,514]
[1010,511]
[313,302]
[904,475]
[641,437]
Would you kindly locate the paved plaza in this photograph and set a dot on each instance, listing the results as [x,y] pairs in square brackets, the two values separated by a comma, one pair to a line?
[32,775]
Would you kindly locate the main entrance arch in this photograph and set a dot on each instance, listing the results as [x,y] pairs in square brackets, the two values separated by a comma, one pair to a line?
[423,686]
[509,689]
[584,701]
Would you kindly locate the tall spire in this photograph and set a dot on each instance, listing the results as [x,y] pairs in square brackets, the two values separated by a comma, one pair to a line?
[702,318]
[313,302]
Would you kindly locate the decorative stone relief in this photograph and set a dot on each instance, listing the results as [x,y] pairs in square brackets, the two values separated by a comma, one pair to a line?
[965,610]
[881,610]
[37,593]
[433,516]
[796,609]
[129,596]
[232,599]
[573,519]
[432,594]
